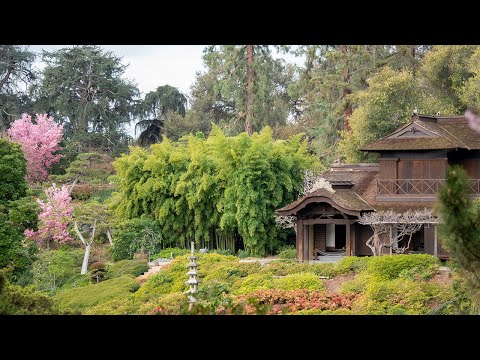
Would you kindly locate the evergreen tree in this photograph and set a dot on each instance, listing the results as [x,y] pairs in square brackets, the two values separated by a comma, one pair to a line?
[18,211]
[154,111]
[16,74]
[243,89]
[84,89]
[460,228]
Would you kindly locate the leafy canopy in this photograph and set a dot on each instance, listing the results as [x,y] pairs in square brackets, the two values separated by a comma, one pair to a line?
[198,189]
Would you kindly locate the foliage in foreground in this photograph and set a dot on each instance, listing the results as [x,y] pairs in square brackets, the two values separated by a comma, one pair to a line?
[17,300]
[80,298]
[124,267]
[18,211]
[229,287]
[460,229]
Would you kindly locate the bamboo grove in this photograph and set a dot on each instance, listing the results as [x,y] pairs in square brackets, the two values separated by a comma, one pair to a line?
[215,191]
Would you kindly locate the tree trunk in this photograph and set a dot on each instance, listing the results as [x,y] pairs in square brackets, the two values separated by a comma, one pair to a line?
[109,236]
[75,181]
[85,260]
[347,112]
[248,117]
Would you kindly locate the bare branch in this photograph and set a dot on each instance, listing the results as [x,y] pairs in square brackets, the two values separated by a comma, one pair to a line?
[80,236]
[383,224]
[92,235]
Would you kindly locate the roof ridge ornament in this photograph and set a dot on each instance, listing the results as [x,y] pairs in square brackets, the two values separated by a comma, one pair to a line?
[322,183]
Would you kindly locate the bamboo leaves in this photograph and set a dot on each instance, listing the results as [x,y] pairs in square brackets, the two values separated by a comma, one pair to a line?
[212,190]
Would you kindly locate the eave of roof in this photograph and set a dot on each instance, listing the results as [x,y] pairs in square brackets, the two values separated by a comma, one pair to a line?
[451,132]
[345,200]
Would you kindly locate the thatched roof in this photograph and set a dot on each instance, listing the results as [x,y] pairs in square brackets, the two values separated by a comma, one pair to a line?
[425,132]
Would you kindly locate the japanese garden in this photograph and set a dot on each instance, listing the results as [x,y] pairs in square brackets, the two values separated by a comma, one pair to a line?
[288,180]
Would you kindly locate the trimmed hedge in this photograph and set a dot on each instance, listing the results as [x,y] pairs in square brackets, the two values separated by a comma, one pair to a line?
[390,267]
[78,299]
[126,267]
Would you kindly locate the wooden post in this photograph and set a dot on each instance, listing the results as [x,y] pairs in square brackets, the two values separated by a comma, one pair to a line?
[351,250]
[435,241]
[306,244]
[310,242]
[347,239]
[300,240]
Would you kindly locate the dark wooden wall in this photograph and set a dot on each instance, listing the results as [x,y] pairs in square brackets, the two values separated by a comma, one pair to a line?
[388,168]
[422,169]
[429,239]
[319,236]
[362,234]
[472,166]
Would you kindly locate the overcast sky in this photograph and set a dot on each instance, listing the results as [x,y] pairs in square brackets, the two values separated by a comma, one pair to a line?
[151,66]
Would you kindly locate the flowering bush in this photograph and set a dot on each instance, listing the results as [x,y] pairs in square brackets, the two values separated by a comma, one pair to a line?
[39,141]
[54,218]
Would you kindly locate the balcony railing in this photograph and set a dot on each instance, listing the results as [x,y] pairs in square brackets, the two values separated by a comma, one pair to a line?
[417,186]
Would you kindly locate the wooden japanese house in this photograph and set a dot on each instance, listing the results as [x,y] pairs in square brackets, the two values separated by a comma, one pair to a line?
[411,168]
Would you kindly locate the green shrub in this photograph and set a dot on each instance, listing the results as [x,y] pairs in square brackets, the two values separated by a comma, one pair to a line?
[77,299]
[17,300]
[357,285]
[55,269]
[279,268]
[228,271]
[172,278]
[124,267]
[287,252]
[124,306]
[298,281]
[399,296]
[169,303]
[390,267]
[130,236]
[242,254]
[158,284]
[213,289]
[276,268]
[222,251]
[211,258]
[327,269]
[354,264]
[253,282]
[167,252]
[419,273]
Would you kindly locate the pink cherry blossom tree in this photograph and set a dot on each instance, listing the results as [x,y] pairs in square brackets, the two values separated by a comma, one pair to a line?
[473,120]
[54,218]
[39,141]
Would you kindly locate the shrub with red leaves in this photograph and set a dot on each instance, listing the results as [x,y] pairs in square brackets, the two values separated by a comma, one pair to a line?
[283,301]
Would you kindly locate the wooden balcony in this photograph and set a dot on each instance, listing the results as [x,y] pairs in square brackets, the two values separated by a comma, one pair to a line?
[415,189]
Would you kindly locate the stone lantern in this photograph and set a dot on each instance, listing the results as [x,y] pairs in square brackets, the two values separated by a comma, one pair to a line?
[192,278]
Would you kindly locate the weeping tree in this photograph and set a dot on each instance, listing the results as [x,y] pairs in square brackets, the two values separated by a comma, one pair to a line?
[390,227]
[154,110]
